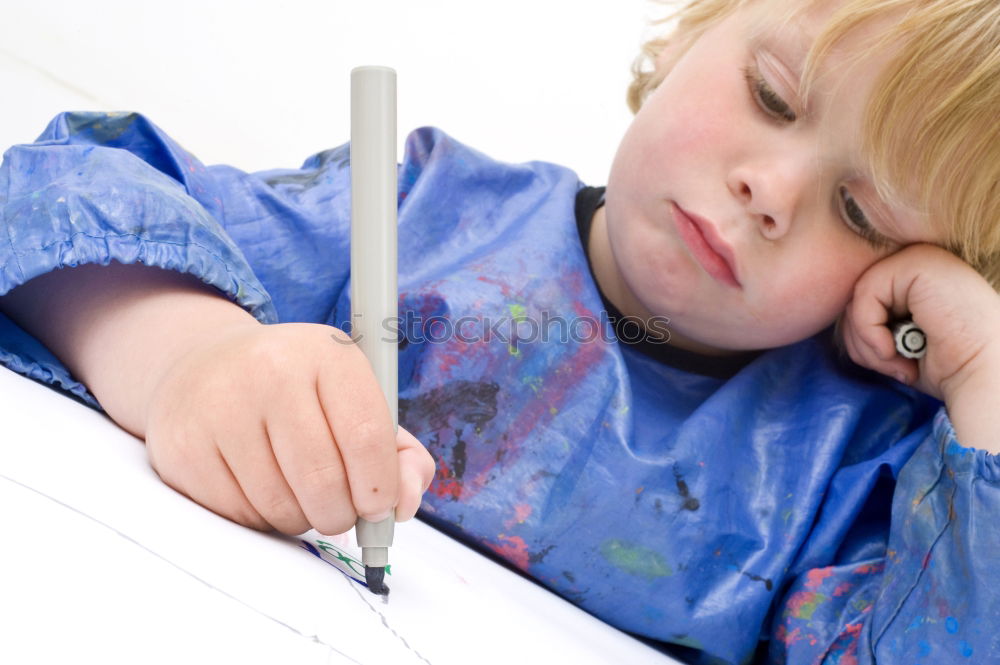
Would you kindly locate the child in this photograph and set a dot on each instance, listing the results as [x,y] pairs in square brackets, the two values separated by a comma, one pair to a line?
[728,485]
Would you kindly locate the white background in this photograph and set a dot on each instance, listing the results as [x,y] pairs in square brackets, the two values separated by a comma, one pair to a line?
[264,85]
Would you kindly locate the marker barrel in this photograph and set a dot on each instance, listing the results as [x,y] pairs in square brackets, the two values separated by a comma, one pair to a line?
[374,290]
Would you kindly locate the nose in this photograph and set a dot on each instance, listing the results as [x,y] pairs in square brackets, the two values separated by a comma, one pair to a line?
[769,193]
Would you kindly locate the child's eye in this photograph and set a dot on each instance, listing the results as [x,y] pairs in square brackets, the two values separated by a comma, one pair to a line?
[765,96]
[856,220]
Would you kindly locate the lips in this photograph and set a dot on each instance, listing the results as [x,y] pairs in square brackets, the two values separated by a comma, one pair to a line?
[706,246]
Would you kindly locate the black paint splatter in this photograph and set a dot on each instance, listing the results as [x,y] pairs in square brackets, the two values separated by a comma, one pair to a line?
[473,402]
[539,555]
[453,406]
[768,584]
[458,458]
[690,502]
[541,473]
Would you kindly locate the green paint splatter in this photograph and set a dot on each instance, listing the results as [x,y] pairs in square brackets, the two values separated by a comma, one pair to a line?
[513,351]
[533,382]
[553,410]
[806,609]
[860,603]
[517,312]
[635,559]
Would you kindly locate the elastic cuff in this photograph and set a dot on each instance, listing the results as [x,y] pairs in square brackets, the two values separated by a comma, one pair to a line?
[22,353]
[962,459]
[25,355]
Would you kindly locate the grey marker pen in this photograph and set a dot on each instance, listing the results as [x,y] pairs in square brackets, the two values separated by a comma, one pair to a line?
[374,292]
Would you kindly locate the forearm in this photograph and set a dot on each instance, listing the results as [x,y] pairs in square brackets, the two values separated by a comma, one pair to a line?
[117,328]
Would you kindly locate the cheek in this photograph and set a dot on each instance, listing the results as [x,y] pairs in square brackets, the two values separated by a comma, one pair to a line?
[690,120]
[689,116]
[815,290]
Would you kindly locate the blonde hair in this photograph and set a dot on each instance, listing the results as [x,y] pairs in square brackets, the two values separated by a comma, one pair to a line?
[931,129]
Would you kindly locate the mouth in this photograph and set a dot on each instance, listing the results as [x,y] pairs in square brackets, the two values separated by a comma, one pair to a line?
[706,246]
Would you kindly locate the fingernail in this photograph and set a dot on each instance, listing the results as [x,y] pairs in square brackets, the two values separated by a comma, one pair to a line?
[375,519]
[902,378]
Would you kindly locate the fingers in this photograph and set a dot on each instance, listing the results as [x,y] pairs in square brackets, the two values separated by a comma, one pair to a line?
[309,459]
[416,471]
[247,449]
[359,419]
[310,462]
[200,473]
[870,344]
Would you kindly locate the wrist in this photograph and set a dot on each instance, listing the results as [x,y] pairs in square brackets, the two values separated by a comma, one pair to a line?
[973,402]
[118,328]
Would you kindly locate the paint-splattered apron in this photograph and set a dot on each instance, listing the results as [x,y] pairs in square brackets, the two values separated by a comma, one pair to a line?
[825,511]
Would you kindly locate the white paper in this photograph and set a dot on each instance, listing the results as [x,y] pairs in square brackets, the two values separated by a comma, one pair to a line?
[103,562]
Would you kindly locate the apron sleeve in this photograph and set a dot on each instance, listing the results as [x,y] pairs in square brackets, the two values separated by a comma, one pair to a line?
[102,187]
[933,597]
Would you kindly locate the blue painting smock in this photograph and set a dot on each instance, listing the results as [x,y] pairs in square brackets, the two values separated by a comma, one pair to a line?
[823,511]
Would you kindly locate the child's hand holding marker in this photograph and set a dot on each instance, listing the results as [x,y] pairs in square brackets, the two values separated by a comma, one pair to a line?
[958,311]
[283,426]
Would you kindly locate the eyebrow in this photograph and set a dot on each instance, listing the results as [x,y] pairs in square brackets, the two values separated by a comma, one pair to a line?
[788,40]
[790,43]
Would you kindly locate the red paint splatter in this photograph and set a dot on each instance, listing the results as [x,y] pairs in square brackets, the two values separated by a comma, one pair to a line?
[447,361]
[522,511]
[842,588]
[850,656]
[802,604]
[445,484]
[844,650]
[504,287]
[816,577]
[514,550]
[788,638]
[870,568]
[944,610]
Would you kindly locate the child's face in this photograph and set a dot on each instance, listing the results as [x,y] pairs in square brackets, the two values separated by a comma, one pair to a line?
[781,195]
